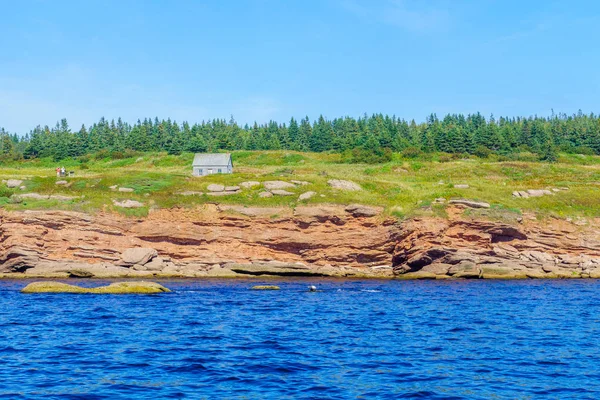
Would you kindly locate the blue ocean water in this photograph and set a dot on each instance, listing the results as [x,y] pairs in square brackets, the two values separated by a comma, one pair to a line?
[352,339]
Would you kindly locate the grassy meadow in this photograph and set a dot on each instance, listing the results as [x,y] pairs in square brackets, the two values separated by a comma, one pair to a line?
[404,187]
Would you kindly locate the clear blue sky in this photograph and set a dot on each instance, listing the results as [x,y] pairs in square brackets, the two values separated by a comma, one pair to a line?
[268,59]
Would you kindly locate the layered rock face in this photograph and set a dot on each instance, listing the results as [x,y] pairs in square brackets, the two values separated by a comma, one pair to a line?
[236,241]
[469,248]
[213,241]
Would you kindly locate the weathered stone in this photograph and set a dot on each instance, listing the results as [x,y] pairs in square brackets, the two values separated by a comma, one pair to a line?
[80,273]
[301,183]
[538,192]
[113,288]
[265,194]
[437,268]
[278,185]
[501,272]
[341,184]
[213,187]
[128,204]
[358,210]
[470,203]
[62,183]
[466,270]
[232,188]
[249,184]
[113,187]
[419,275]
[461,186]
[13,183]
[138,255]
[280,192]
[126,190]
[306,196]
[308,215]
[156,264]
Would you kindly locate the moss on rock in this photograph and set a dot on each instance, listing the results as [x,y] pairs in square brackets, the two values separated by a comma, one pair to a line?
[113,288]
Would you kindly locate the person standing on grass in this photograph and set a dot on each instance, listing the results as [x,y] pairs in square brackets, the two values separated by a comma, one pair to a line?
[58,172]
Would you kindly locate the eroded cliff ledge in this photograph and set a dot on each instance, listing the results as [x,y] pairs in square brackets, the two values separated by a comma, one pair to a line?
[236,241]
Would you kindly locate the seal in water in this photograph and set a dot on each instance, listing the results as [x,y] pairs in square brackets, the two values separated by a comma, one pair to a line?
[312,288]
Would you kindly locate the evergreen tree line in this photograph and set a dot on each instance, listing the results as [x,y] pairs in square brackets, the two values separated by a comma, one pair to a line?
[368,138]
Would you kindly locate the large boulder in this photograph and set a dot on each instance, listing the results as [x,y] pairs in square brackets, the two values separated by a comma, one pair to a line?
[13,183]
[213,187]
[113,288]
[138,255]
[341,184]
[278,185]
[306,196]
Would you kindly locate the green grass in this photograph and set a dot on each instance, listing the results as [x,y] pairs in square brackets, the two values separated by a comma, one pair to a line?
[403,187]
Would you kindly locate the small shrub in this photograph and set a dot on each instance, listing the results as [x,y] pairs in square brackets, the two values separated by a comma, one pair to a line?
[482,152]
[101,154]
[362,155]
[411,152]
[5,192]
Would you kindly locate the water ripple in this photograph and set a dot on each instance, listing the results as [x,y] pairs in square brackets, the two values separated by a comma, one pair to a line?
[352,339]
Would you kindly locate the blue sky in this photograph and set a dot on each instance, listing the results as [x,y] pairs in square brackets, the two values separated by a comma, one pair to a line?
[268,59]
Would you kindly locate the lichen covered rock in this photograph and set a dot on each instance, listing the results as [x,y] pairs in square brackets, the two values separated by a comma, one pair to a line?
[113,288]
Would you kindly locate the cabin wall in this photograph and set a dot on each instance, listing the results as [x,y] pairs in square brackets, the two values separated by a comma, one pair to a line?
[203,170]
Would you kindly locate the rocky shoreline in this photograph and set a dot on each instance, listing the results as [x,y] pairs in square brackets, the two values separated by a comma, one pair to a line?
[309,241]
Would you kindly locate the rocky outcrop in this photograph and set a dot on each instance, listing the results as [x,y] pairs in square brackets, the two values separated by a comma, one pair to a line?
[320,240]
[473,249]
[211,241]
[113,288]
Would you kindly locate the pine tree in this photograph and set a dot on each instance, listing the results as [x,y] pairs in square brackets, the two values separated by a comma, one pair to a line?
[321,137]
[293,134]
[304,135]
